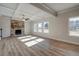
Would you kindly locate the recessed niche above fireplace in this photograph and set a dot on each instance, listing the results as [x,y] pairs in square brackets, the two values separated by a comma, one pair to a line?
[17,24]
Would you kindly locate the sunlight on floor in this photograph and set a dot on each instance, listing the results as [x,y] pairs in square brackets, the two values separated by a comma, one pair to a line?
[31,43]
[30,40]
[24,37]
[39,40]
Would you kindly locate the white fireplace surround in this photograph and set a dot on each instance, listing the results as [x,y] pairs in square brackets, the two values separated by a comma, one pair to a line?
[14,34]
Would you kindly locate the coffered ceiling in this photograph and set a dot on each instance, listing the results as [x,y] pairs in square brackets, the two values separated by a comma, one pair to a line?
[34,11]
[10,5]
[61,6]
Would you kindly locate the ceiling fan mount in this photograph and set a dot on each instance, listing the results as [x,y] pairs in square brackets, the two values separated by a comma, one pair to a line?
[23,17]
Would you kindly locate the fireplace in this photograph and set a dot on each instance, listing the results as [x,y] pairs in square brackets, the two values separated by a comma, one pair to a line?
[17,28]
[18,32]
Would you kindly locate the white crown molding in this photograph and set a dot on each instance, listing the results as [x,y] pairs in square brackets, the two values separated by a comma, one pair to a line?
[68,10]
[44,8]
[50,9]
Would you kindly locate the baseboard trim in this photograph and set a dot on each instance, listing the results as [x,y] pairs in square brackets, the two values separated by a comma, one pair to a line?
[71,43]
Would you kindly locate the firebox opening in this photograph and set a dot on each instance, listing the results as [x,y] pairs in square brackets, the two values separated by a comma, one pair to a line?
[18,32]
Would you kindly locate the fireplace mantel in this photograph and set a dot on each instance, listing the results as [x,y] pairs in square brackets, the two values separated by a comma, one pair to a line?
[17,25]
[14,31]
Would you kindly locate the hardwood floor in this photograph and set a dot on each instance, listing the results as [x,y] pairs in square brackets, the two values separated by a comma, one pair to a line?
[35,46]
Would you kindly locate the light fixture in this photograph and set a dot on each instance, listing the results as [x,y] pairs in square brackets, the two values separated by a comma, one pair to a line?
[23,17]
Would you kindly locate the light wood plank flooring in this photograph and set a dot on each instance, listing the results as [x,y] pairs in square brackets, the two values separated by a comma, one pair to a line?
[36,46]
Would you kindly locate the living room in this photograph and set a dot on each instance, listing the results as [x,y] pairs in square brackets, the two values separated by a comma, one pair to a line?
[45,29]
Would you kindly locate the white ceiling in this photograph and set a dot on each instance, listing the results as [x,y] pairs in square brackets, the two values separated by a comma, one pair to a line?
[16,10]
[30,11]
[61,6]
[10,5]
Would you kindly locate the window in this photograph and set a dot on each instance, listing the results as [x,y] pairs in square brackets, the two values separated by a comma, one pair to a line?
[35,27]
[39,27]
[45,27]
[74,26]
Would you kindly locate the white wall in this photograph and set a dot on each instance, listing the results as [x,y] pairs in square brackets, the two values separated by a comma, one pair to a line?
[27,27]
[5,25]
[62,28]
[59,29]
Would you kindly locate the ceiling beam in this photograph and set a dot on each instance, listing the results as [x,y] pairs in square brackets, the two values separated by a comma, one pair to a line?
[9,11]
[45,8]
[69,9]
